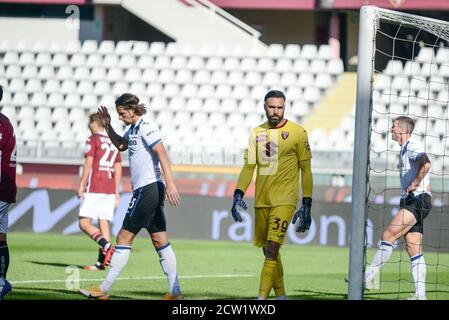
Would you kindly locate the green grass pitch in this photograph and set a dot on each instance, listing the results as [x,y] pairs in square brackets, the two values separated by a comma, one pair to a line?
[43,266]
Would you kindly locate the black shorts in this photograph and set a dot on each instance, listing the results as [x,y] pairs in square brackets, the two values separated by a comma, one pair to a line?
[146,209]
[420,207]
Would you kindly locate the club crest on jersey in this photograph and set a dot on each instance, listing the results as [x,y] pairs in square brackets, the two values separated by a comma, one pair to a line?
[284,134]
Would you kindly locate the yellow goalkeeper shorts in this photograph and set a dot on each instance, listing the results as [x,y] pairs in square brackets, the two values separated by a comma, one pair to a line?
[271,224]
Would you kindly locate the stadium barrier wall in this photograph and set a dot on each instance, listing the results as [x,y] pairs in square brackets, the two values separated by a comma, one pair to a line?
[208,218]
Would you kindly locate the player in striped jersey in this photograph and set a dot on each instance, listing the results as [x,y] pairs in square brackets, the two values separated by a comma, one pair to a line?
[147,156]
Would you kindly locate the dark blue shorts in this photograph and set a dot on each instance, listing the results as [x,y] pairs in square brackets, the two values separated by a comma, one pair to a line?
[146,209]
[420,207]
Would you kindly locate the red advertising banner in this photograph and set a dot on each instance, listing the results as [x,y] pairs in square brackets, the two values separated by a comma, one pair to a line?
[392,4]
[265,4]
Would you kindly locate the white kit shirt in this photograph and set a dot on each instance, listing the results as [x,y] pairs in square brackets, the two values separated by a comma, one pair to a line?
[408,168]
[143,162]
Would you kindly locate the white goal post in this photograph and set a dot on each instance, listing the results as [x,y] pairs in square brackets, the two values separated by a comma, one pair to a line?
[369,20]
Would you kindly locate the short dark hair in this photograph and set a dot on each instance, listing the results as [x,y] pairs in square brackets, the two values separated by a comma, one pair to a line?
[274,94]
[407,121]
[1,92]
[131,102]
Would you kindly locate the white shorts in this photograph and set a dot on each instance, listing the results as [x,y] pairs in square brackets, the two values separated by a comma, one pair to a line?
[4,216]
[97,206]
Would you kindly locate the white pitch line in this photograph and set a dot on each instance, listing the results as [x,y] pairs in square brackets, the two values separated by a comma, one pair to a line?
[138,278]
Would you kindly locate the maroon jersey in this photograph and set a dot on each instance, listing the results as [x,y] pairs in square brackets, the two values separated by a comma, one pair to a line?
[8,153]
[105,154]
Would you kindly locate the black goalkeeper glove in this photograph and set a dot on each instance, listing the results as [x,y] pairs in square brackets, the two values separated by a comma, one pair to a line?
[303,216]
[238,205]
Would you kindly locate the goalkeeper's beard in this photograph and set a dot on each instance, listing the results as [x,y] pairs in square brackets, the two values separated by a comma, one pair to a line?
[274,122]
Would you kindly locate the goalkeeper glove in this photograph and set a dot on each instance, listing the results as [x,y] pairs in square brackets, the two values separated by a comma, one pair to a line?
[303,216]
[238,205]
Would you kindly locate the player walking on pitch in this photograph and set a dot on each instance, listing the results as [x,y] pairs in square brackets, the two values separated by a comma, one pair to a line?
[415,206]
[147,155]
[98,189]
[8,192]
[279,148]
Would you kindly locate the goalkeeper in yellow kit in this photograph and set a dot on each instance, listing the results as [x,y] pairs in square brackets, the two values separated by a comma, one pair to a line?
[279,148]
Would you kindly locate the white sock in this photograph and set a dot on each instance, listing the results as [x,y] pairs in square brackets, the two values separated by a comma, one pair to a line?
[419,270]
[380,258]
[118,262]
[167,260]
[281,298]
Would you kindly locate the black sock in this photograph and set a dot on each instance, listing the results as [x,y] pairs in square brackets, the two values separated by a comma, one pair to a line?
[101,257]
[4,258]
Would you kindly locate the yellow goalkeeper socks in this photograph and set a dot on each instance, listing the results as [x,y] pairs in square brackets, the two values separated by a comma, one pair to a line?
[278,280]
[268,273]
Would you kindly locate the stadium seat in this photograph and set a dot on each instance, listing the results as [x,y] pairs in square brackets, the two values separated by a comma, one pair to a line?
[43,122]
[265,65]
[292,51]
[145,62]
[89,101]
[154,89]
[98,74]
[166,76]
[16,85]
[94,60]
[67,86]
[235,77]
[283,65]
[89,46]
[311,95]
[114,74]
[33,85]
[305,80]
[181,117]
[275,50]
[194,104]
[158,103]
[13,71]
[149,75]
[425,55]
[20,99]
[429,69]
[162,63]
[26,113]
[9,111]
[106,47]
[189,90]
[140,48]
[271,78]
[201,77]
[288,79]
[85,86]
[81,73]
[294,93]
[309,51]
[157,48]
[178,62]
[77,115]
[325,52]
[171,90]
[206,91]
[46,72]
[219,77]
[26,58]
[177,104]
[137,88]
[123,47]
[59,59]
[127,61]
[214,63]
[211,105]
[240,92]
[11,58]
[39,99]
[223,91]
[318,66]
[72,47]
[111,61]
[442,56]
[64,73]
[183,76]
[393,68]
[335,67]
[411,69]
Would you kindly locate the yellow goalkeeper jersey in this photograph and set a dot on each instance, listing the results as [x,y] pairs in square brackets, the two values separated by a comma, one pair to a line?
[276,154]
